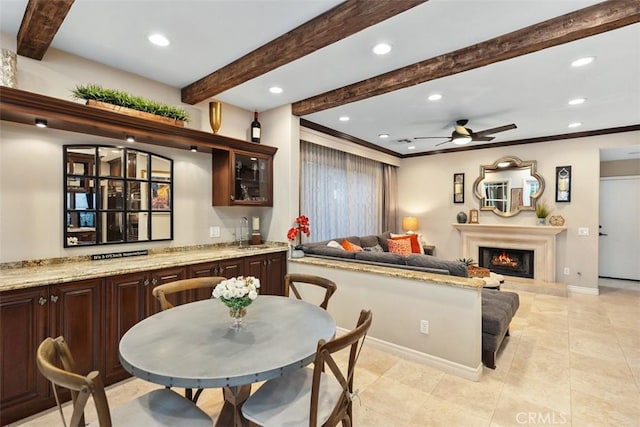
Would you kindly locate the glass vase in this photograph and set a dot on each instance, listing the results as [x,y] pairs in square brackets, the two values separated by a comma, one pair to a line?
[237,314]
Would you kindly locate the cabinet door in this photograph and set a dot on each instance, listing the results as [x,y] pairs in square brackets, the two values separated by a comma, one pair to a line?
[124,307]
[76,314]
[159,277]
[242,178]
[24,318]
[207,269]
[231,268]
[276,270]
[256,266]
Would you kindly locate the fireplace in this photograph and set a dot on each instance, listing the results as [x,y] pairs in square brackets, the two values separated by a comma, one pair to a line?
[511,262]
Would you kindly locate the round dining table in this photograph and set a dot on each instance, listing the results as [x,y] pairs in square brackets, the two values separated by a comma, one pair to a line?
[195,346]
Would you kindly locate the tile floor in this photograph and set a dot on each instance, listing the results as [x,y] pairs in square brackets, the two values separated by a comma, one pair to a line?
[571,361]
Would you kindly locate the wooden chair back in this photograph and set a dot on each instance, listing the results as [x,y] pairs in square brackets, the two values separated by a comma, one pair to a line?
[290,281]
[56,363]
[171,288]
[324,359]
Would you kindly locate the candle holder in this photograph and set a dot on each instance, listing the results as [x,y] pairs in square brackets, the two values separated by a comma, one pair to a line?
[256,238]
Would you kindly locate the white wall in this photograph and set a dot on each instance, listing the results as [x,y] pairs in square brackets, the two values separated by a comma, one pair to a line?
[31,199]
[433,203]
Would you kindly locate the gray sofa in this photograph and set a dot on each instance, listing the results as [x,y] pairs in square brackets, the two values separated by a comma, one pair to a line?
[376,251]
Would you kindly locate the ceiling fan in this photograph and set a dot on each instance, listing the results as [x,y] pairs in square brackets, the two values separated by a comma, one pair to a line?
[463,135]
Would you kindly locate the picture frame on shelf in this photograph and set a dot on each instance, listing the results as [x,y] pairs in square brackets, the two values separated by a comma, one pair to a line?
[458,188]
[473,216]
[563,184]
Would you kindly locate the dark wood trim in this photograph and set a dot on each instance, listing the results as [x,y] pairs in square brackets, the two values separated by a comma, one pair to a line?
[24,107]
[596,19]
[40,23]
[334,25]
[315,126]
[560,137]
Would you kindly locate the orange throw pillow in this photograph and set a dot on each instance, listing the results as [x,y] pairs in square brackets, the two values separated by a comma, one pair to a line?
[400,246]
[413,239]
[351,247]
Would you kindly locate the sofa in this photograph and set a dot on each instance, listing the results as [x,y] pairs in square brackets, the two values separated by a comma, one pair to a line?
[374,249]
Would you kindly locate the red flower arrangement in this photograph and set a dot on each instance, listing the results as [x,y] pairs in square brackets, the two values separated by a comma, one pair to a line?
[302,227]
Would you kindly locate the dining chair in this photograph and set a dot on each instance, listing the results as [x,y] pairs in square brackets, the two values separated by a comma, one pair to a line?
[161,407]
[311,396]
[178,286]
[172,288]
[290,281]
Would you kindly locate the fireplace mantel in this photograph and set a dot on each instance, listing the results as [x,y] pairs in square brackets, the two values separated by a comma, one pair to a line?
[540,239]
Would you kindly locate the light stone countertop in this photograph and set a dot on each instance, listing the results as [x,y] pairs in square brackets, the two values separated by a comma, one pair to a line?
[63,272]
[440,279]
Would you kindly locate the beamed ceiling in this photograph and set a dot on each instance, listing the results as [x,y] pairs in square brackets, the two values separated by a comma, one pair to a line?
[495,62]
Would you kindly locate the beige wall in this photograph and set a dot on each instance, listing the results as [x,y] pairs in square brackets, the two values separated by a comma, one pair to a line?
[433,205]
[620,168]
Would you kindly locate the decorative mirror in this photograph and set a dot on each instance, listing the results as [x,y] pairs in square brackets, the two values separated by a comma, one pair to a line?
[116,195]
[508,186]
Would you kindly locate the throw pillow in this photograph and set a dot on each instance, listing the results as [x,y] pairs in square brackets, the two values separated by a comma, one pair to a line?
[416,245]
[350,247]
[334,244]
[400,246]
[374,248]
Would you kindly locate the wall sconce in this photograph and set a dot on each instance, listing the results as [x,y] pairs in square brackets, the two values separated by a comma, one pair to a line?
[194,148]
[41,123]
[410,224]
[130,138]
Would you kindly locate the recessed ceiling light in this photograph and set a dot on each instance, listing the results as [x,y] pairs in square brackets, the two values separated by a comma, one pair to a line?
[275,89]
[575,124]
[411,147]
[159,40]
[344,118]
[194,148]
[580,62]
[130,138]
[577,101]
[382,49]
[41,123]
[504,164]
[383,135]
[435,97]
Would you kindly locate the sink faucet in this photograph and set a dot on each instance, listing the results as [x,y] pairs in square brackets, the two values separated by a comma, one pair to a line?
[244,224]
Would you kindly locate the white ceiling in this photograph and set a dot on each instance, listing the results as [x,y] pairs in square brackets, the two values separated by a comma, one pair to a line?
[531,91]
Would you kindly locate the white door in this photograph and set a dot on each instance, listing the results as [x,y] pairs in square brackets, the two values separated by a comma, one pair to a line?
[619,250]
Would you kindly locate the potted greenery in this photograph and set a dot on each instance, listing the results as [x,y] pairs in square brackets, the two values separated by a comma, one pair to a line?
[116,100]
[542,212]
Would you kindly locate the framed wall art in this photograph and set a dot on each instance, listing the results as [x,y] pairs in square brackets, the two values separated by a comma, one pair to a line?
[458,188]
[473,216]
[563,184]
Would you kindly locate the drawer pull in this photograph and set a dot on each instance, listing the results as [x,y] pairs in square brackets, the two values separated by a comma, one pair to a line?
[54,298]
[42,301]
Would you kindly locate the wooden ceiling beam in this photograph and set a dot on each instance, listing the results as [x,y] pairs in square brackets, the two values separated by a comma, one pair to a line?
[586,22]
[336,24]
[40,23]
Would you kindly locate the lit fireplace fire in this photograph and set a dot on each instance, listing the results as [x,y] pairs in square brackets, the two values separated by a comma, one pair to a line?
[504,260]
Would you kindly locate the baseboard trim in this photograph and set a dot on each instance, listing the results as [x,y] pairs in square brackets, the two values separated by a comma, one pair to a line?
[583,290]
[424,358]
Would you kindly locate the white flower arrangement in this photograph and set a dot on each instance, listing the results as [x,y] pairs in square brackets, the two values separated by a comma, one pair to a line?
[237,292]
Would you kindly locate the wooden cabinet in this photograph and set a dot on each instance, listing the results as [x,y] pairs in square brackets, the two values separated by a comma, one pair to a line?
[225,268]
[159,277]
[30,315]
[270,269]
[242,178]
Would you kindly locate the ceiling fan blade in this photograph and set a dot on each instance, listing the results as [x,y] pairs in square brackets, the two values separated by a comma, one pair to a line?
[430,137]
[495,130]
[443,142]
[483,138]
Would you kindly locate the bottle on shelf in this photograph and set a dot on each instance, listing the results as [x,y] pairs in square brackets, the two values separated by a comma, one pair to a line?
[255,128]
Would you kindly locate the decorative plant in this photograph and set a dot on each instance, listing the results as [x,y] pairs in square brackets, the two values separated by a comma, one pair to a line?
[302,226]
[542,210]
[237,292]
[123,99]
[467,261]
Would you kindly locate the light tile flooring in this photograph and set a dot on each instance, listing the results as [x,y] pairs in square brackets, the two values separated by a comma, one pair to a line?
[569,361]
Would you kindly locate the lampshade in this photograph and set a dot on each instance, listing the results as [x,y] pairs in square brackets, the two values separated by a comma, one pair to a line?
[409,223]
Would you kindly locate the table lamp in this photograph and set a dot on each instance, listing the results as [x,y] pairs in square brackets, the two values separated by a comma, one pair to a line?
[410,224]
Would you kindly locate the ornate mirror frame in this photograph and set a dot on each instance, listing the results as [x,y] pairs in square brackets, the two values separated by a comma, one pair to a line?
[505,164]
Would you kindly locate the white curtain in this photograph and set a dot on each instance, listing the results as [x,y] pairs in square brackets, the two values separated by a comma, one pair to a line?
[342,194]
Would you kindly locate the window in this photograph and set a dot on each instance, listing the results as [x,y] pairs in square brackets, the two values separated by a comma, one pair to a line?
[111,197]
[341,193]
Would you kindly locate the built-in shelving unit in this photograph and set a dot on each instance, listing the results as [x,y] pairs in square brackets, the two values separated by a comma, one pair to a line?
[25,107]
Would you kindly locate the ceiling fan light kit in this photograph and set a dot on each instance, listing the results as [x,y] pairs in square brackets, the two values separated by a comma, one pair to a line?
[462,135]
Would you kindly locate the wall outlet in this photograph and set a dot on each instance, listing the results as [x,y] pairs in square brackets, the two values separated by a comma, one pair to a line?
[583,231]
[214,231]
[567,271]
[424,326]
